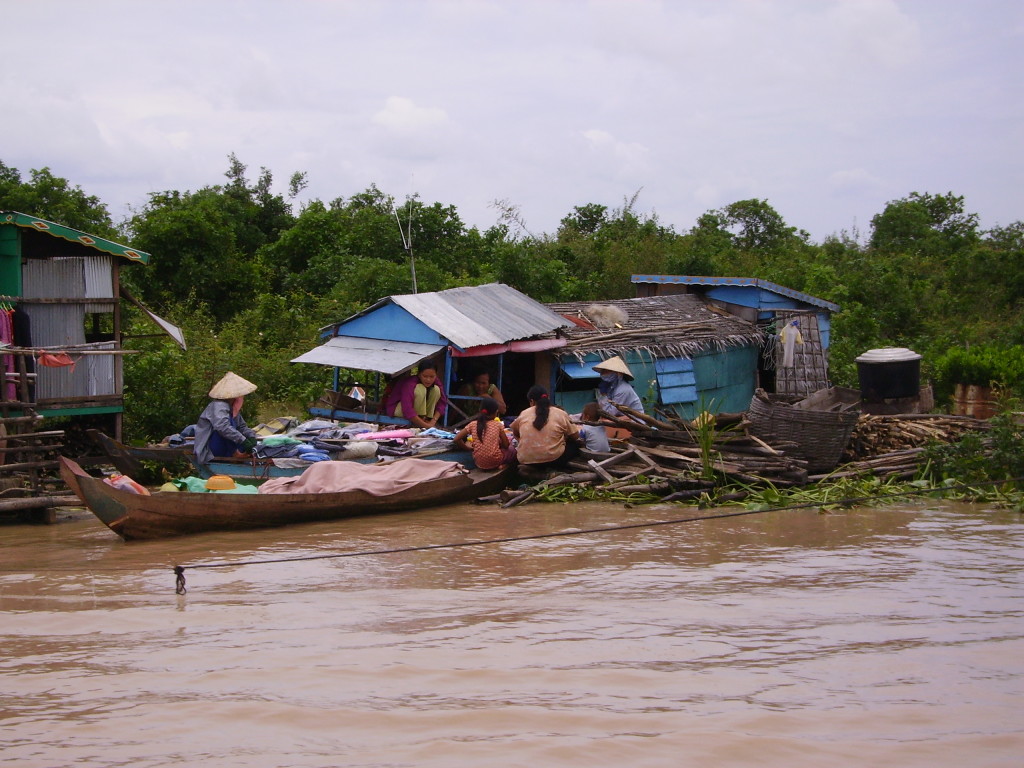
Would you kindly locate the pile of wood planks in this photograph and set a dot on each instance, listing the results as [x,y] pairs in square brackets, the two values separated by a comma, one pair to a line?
[663,456]
[877,435]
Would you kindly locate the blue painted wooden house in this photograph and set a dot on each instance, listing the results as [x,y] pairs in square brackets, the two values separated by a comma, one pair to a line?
[771,307]
[464,331]
[686,355]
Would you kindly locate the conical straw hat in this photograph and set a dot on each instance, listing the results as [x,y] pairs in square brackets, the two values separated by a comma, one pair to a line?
[231,386]
[615,365]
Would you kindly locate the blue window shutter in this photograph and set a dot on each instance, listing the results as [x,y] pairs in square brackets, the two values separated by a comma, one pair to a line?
[676,380]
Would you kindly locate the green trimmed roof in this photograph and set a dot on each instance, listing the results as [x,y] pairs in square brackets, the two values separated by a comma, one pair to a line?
[73,235]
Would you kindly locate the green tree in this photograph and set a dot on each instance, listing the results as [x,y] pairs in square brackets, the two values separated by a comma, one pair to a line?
[53,198]
[205,243]
[601,250]
[756,226]
[193,238]
[924,224]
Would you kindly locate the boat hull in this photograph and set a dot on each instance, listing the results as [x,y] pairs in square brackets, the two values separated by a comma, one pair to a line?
[164,514]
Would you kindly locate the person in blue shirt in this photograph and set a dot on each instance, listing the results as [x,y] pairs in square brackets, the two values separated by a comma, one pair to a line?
[593,434]
[614,387]
[221,431]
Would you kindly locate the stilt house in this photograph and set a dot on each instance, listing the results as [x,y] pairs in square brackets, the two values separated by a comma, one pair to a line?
[60,323]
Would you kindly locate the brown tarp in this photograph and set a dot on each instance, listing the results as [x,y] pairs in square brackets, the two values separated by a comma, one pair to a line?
[374,479]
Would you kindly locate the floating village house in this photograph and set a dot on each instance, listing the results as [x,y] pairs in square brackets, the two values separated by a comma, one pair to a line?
[686,354]
[61,323]
[771,307]
[463,330]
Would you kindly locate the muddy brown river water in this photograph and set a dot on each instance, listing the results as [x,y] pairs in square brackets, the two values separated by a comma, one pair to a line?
[872,636]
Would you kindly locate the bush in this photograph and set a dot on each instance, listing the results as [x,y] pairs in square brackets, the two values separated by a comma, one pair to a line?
[983,366]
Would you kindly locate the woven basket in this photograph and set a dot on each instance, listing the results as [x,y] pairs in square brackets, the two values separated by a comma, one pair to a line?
[819,437]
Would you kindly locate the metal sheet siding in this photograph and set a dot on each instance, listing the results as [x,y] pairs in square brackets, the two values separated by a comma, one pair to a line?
[391,322]
[53,278]
[99,281]
[60,325]
[56,325]
[734,281]
[70,277]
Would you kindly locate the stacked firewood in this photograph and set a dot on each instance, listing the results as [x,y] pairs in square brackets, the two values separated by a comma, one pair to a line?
[875,435]
[733,452]
[893,447]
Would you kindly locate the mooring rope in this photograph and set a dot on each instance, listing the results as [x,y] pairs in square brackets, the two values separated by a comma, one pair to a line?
[179,570]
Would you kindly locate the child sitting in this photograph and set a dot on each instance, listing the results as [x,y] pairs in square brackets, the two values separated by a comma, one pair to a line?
[490,445]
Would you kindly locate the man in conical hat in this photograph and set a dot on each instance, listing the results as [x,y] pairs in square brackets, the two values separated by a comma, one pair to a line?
[614,387]
[221,431]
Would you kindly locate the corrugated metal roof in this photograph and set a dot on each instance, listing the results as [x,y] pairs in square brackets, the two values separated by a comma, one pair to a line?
[740,281]
[72,235]
[483,314]
[388,357]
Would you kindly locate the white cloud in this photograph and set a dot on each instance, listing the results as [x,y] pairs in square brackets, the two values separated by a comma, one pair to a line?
[402,115]
[854,180]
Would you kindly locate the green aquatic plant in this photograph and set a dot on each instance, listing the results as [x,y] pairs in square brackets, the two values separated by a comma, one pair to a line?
[990,457]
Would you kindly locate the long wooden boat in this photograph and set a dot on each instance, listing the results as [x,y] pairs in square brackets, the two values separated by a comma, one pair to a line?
[163,514]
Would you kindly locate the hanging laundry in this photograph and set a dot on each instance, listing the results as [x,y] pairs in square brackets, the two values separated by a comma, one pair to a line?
[790,336]
[59,360]
[10,391]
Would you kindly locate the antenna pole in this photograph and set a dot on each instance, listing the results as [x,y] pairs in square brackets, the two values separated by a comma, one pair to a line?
[407,241]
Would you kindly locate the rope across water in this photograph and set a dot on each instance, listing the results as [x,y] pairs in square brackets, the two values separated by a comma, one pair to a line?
[179,570]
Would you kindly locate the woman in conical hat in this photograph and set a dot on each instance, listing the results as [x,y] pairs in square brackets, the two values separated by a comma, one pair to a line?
[221,430]
[614,365]
[614,387]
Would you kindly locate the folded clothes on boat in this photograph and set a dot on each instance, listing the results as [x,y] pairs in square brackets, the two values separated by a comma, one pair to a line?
[198,485]
[388,434]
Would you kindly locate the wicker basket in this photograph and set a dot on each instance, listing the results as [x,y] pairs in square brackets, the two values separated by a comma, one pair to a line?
[819,435]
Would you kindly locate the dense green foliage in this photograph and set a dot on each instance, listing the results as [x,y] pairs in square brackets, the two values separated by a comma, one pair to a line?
[981,458]
[1001,367]
[252,279]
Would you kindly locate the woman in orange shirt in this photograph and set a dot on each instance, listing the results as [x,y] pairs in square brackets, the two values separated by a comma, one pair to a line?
[547,436]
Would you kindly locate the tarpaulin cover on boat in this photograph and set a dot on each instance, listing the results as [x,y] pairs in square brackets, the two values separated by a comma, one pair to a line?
[374,479]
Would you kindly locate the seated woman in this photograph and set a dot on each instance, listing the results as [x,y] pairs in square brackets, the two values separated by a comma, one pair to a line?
[419,398]
[614,387]
[480,386]
[221,431]
[491,447]
[547,436]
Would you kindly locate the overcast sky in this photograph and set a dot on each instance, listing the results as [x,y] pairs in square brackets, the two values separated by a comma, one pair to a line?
[826,109]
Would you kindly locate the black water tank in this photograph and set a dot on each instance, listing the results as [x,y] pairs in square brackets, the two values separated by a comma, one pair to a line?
[888,373]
